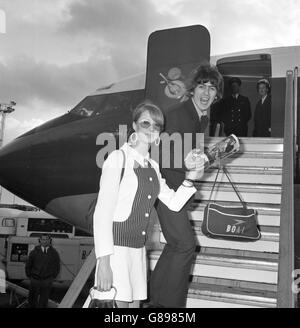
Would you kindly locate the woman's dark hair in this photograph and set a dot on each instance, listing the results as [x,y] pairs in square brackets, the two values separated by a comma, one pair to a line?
[202,74]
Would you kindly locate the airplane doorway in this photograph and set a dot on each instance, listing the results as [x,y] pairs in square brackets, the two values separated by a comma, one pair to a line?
[249,69]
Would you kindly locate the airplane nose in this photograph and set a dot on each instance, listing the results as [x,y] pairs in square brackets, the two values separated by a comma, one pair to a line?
[15,168]
[44,165]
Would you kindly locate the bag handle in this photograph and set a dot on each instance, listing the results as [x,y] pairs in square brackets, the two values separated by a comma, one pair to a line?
[95,288]
[233,186]
[212,190]
[123,166]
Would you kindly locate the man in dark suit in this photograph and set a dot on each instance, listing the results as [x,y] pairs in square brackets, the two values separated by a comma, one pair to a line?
[235,110]
[42,267]
[170,278]
[262,114]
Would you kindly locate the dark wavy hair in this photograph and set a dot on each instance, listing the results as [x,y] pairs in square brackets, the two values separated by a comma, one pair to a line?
[202,74]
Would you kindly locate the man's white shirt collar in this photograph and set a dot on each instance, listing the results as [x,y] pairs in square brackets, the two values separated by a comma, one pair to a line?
[263,99]
[44,248]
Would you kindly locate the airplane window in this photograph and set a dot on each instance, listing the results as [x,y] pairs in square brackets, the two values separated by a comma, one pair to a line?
[99,104]
[89,105]
[48,225]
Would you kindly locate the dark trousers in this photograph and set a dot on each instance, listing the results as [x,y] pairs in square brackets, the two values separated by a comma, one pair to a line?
[170,279]
[39,292]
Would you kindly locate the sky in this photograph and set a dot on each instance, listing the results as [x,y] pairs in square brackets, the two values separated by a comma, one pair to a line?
[55,52]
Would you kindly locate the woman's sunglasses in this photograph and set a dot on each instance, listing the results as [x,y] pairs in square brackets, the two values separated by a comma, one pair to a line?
[146,125]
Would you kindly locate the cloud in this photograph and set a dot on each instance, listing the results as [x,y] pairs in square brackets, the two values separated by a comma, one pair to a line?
[76,48]
[120,29]
[250,24]
[35,12]
[24,79]
[12,124]
[15,127]
[114,21]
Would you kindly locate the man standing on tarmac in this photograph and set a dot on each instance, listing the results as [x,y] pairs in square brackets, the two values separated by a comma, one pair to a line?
[42,267]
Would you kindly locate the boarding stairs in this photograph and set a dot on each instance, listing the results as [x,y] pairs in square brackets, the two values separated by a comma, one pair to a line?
[248,274]
[229,273]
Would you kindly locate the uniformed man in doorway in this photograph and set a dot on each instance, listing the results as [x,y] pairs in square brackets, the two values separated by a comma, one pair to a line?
[235,110]
[42,267]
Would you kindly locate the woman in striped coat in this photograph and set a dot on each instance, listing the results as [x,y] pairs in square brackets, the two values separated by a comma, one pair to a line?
[125,200]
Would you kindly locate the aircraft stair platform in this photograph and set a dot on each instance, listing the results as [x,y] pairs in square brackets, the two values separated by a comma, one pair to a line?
[229,273]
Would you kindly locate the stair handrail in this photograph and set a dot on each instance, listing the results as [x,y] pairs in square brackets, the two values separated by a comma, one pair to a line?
[285,296]
[79,281]
[296,137]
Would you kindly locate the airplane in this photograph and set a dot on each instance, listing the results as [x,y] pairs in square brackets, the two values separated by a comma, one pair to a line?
[53,165]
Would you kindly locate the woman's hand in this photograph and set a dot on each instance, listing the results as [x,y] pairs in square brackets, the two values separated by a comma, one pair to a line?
[194,174]
[104,274]
[194,160]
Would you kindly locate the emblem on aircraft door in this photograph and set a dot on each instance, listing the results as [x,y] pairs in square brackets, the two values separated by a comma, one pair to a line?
[174,88]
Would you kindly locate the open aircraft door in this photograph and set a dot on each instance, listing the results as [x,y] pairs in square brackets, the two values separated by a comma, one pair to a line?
[172,55]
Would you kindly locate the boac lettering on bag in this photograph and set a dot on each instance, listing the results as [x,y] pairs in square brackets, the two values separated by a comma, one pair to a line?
[236,228]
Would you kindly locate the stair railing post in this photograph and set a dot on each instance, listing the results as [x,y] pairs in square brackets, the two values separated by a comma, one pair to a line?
[285,296]
[296,146]
[79,281]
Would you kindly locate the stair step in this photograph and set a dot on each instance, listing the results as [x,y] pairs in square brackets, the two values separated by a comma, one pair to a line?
[234,283]
[263,208]
[270,194]
[204,295]
[245,175]
[263,219]
[268,242]
[226,267]
[262,155]
[266,209]
[253,144]
[257,162]
[238,252]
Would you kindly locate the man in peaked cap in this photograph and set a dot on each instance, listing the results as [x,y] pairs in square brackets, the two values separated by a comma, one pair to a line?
[235,110]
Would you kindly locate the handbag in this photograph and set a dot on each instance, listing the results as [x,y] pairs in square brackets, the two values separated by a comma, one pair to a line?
[230,223]
[102,304]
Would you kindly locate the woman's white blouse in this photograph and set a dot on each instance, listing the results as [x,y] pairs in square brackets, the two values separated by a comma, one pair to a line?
[115,199]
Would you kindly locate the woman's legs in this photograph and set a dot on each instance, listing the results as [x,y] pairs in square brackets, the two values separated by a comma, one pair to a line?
[126,305]
[122,305]
[134,305]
